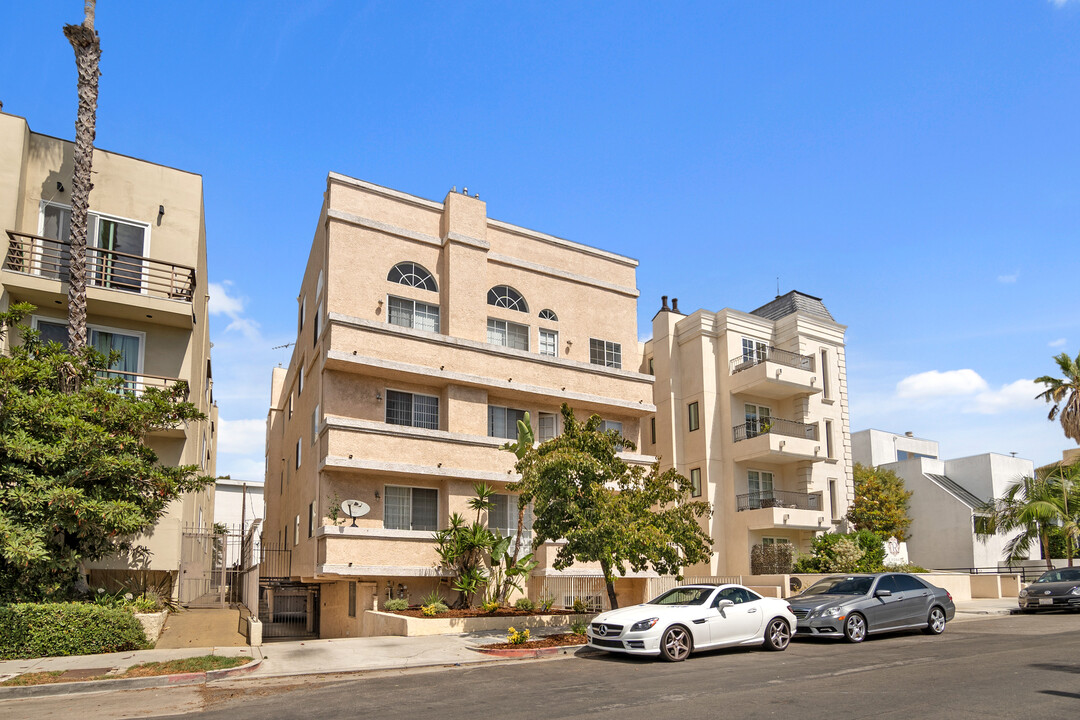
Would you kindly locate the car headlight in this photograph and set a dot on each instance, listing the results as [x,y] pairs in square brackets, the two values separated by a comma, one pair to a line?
[1023,593]
[643,624]
[831,612]
[1075,590]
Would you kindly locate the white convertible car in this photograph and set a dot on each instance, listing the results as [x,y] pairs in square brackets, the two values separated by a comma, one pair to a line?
[694,617]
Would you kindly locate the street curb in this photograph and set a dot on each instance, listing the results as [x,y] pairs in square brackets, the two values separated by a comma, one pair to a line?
[91,686]
[528,652]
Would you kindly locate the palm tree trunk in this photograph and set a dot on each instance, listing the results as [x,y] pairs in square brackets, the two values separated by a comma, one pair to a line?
[84,40]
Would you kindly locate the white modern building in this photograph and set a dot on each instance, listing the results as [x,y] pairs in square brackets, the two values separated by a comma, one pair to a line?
[239,504]
[946,496]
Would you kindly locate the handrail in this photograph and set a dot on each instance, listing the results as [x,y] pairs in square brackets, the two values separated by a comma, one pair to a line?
[112,269]
[775,355]
[776,426]
[140,382]
[777,499]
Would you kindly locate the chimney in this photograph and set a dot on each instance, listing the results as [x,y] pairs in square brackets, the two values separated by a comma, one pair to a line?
[663,303]
[675,305]
[909,434]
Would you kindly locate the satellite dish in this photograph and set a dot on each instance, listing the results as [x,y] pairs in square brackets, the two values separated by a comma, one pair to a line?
[355,509]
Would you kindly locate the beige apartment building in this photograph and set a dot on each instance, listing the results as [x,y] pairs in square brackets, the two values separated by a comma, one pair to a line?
[425,330]
[146,293]
[753,408]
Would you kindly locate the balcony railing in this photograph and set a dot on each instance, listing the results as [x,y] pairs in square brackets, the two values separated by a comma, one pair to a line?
[112,269]
[137,383]
[777,499]
[776,355]
[776,426]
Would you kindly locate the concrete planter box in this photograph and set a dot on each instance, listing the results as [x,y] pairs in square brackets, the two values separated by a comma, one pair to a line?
[153,624]
[383,623]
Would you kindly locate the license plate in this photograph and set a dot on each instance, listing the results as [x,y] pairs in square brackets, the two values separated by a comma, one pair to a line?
[1046,601]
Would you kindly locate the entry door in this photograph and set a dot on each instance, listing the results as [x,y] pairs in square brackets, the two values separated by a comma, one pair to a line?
[757,419]
[120,255]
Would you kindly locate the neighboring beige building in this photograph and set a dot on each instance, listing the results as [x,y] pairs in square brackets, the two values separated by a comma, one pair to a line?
[753,408]
[146,293]
[425,330]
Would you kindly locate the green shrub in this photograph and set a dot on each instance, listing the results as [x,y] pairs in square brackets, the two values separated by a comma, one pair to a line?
[546,603]
[578,628]
[489,606]
[517,637]
[525,604]
[433,598]
[907,568]
[580,607]
[396,605]
[29,630]
[833,552]
[429,610]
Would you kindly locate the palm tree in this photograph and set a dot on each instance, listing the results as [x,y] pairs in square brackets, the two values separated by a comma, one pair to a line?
[1066,479]
[1031,505]
[84,39]
[1064,393]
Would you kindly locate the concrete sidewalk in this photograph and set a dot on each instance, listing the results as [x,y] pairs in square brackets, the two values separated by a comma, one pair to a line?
[981,607]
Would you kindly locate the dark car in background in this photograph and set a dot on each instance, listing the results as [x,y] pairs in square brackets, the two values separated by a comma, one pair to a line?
[1054,590]
[856,605]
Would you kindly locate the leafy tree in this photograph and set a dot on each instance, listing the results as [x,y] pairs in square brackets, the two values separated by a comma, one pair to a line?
[519,447]
[881,503]
[1064,393]
[606,510]
[84,40]
[77,480]
[1036,507]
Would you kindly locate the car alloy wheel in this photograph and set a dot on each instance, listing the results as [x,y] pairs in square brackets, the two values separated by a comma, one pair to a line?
[935,624]
[855,628]
[676,644]
[777,634]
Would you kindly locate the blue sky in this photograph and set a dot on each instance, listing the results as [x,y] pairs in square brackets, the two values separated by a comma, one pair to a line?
[916,165]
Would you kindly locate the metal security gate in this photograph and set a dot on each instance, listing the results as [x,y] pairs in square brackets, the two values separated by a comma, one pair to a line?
[211,566]
[289,611]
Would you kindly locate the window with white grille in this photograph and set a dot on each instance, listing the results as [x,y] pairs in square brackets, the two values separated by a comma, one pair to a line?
[508,334]
[413,314]
[413,275]
[549,343]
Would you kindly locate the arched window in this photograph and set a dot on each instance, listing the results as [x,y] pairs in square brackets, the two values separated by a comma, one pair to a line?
[505,296]
[549,315]
[413,275]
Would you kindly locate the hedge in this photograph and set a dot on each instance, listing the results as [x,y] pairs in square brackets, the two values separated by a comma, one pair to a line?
[30,630]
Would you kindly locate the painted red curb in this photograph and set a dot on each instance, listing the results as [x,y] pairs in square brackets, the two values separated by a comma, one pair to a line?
[526,652]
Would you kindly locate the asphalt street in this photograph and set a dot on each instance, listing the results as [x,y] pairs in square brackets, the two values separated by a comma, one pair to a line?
[999,667]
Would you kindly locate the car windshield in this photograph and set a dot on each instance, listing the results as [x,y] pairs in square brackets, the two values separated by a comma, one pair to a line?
[1063,575]
[683,596]
[841,586]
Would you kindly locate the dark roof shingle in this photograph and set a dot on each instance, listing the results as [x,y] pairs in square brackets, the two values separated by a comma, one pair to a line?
[792,303]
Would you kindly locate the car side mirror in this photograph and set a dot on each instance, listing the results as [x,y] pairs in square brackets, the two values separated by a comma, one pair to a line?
[883,593]
[725,603]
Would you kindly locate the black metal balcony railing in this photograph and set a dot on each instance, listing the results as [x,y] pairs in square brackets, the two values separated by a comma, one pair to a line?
[776,355]
[777,499]
[776,426]
[112,269]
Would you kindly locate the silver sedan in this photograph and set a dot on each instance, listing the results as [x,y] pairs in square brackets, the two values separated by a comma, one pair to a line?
[853,606]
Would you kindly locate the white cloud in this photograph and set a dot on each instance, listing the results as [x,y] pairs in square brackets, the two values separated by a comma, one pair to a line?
[1060,342]
[241,437]
[241,468]
[1008,279]
[1014,396]
[1060,3]
[934,384]
[231,306]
